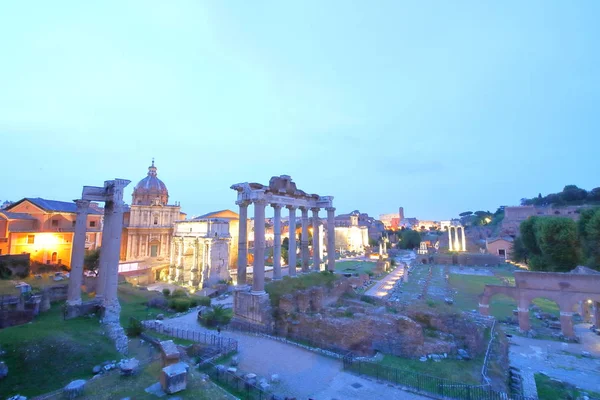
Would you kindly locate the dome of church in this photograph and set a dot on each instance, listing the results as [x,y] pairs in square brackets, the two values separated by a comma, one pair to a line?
[150,190]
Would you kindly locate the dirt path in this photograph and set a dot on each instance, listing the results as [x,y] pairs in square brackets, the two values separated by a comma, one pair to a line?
[386,285]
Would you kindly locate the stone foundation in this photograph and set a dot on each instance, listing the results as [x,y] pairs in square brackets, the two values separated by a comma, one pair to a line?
[252,309]
[79,310]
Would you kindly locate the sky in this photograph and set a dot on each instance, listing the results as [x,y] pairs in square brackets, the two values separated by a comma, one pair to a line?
[437,106]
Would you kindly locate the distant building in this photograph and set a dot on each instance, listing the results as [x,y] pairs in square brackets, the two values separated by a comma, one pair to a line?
[44,229]
[375,227]
[499,246]
[513,216]
[352,236]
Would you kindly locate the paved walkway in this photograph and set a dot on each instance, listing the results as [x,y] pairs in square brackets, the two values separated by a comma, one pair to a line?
[558,360]
[386,285]
[304,374]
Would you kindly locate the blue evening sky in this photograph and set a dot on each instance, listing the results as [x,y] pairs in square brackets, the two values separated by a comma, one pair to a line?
[437,106]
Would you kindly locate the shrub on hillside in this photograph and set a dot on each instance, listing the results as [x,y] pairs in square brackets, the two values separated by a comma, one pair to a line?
[166,292]
[203,301]
[218,316]
[179,293]
[158,302]
[179,304]
[135,328]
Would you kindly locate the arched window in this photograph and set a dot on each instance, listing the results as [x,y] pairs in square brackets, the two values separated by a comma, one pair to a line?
[54,257]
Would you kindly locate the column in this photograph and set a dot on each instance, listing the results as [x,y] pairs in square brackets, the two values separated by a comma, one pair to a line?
[78,253]
[523,313]
[304,239]
[172,268]
[456,240]
[194,270]
[384,246]
[316,241]
[242,244]
[566,324]
[258,279]
[464,244]
[596,313]
[450,238]
[292,242]
[330,239]
[276,242]
[179,269]
[105,251]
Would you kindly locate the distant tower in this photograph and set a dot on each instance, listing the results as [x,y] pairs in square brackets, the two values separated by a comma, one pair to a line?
[401,213]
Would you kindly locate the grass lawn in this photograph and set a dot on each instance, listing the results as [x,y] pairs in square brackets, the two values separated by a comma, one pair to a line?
[355,267]
[468,372]
[276,289]
[114,386]
[7,286]
[49,352]
[553,390]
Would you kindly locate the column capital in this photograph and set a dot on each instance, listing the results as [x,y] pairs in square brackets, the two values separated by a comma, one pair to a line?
[276,206]
[315,209]
[260,202]
[292,208]
[243,203]
[82,204]
[330,208]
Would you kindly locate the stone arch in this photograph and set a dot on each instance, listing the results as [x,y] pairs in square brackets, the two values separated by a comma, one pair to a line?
[492,290]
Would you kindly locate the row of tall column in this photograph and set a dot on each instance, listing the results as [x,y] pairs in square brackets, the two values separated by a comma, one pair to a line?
[258,282]
[454,244]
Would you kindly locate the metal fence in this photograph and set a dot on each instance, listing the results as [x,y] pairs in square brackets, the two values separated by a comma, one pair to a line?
[235,384]
[430,385]
[223,344]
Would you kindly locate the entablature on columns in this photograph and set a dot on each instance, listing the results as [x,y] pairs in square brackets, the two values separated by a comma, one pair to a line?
[282,192]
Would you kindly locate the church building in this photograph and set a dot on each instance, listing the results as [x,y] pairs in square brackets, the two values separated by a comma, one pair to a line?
[148,224]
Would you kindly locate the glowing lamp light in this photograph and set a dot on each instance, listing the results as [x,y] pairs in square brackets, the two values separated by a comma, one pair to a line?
[46,240]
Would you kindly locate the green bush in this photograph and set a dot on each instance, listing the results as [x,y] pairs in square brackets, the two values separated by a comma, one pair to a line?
[193,302]
[348,314]
[203,301]
[166,292]
[179,304]
[368,299]
[218,316]
[135,328]
[179,293]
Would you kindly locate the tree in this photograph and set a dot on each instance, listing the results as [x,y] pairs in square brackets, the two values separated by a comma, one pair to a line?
[519,252]
[528,235]
[559,243]
[466,213]
[594,194]
[409,239]
[91,261]
[285,244]
[572,193]
[591,247]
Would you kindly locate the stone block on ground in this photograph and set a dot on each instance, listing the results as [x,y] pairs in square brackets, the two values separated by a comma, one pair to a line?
[74,389]
[169,352]
[275,378]
[173,378]
[235,361]
[129,367]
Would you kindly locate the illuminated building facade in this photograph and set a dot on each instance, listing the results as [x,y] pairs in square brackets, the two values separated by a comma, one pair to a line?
[149,222]
[44,229]
[353,238]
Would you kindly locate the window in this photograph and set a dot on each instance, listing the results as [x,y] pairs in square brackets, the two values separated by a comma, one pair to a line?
[502,252]
[92,224]
[155,220]
[72,223]
[54,223]
[30,239]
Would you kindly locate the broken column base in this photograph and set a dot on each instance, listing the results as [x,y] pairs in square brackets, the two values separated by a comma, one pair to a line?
[74,310]
[251,309]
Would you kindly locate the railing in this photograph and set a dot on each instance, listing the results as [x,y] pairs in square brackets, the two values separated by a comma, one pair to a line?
[223,344]
[235,384]
[429,385]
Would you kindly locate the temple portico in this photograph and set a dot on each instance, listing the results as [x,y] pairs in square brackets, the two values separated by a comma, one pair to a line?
[456,237]
[281,192]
